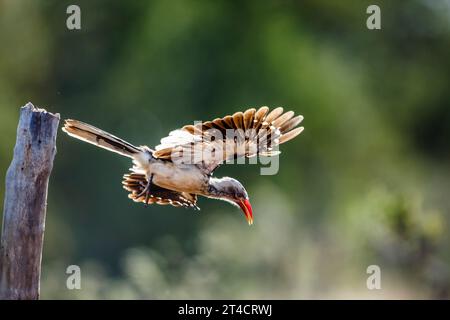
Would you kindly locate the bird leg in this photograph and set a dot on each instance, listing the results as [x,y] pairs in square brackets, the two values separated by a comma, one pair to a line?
[146,190]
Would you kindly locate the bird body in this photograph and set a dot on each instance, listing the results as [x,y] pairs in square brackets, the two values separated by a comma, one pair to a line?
[181,167]
[169,175]
[179,178]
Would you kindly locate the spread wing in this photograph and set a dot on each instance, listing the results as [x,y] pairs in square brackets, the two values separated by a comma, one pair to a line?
[243,134]
[135,183]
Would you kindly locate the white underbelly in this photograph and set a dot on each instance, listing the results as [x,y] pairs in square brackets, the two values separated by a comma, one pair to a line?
[166,174]
[183,179]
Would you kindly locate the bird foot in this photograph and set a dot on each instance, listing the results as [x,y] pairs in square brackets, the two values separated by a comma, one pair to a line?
[146,191]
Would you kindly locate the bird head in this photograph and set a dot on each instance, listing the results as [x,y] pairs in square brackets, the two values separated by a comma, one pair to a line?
[232,191]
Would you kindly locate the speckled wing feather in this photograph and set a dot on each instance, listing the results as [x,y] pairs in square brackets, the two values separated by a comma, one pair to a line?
[243,134]
[135,184]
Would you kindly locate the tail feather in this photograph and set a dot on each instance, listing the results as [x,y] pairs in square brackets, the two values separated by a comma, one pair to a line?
[99,138]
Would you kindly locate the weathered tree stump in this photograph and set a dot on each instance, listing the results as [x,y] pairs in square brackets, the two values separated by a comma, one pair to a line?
[26,202]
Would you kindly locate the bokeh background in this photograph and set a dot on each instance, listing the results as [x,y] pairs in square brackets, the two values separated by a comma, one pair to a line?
[367,183]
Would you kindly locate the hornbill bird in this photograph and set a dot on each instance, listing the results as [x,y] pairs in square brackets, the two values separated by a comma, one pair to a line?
[180,168]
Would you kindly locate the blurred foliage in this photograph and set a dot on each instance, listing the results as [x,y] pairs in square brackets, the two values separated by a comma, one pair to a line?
[366,183]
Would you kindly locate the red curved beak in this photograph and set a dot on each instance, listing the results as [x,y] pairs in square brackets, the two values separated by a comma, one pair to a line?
[247,208]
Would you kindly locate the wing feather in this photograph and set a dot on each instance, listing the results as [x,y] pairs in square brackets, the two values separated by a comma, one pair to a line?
[274,114]
[255,132]
[291,135]
[248,117]
[136,182]
[292,123]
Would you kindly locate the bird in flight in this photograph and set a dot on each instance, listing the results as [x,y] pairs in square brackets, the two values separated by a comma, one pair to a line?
[181,167]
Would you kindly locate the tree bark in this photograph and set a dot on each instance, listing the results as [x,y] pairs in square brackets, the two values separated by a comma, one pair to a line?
[26,203]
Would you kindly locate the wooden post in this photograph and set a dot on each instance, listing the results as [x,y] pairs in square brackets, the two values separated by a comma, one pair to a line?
[26,202]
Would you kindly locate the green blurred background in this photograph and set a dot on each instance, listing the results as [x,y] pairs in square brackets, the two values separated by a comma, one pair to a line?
[367,183]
